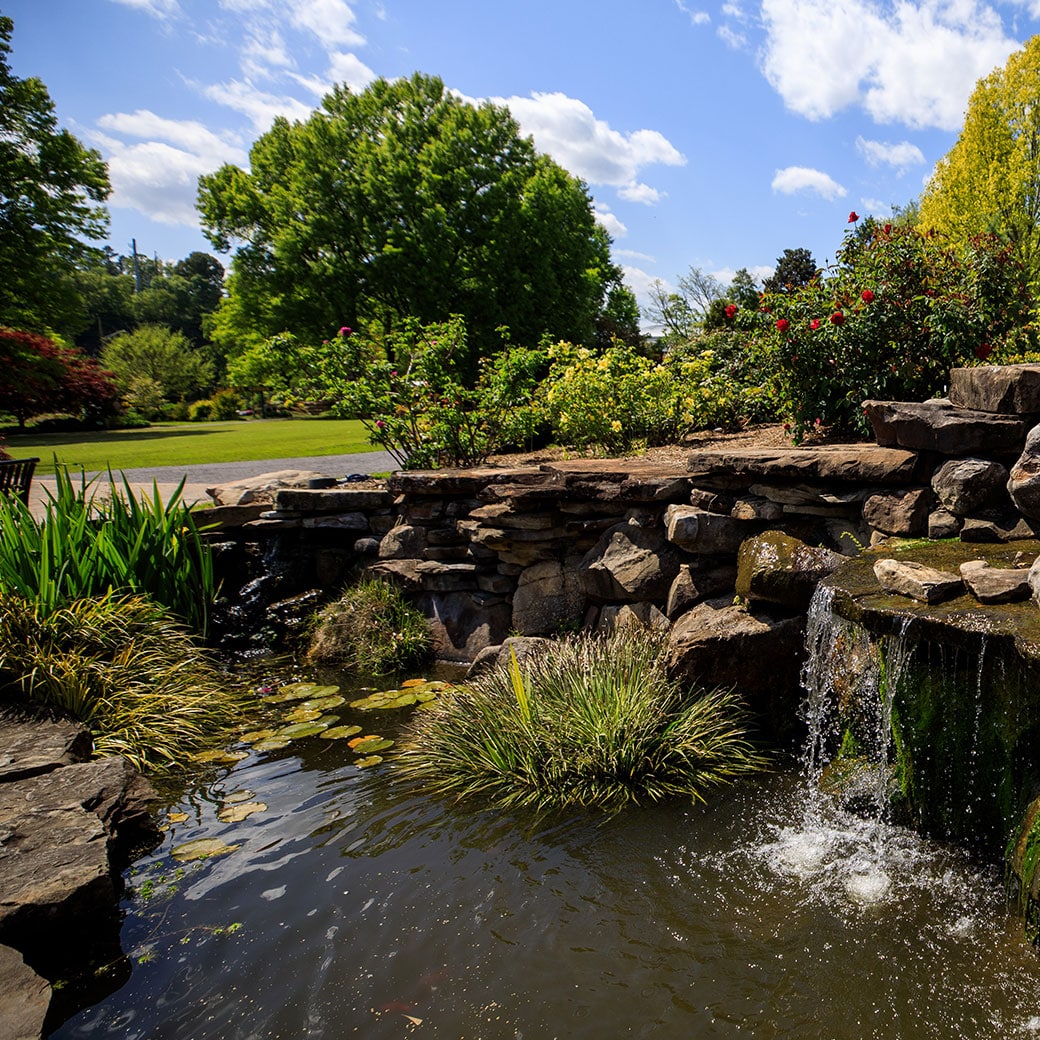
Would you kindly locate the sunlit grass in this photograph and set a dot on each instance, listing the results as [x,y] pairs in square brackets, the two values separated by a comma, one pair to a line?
[590,723]
[125,668]
[370,628]
[189,444]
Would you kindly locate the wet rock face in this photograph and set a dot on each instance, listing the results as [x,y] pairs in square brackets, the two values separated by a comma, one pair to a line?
[778,568]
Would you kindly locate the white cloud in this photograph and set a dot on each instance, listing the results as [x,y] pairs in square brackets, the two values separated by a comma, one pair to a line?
[350,69]
[156,8]
[641,193]
[634,254]
[614,226]
[159,176]
[876,208]
[732,38]
[568,130]
[880,153]
[696,17]
[330,20]
[263,51]
[903,62]
[640,282]
[258,107]
[793,179]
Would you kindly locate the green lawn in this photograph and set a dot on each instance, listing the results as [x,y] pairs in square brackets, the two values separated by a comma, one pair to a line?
[192,443]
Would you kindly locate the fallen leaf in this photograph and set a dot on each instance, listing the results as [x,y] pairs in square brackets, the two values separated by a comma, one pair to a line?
[237,813]
[201,848]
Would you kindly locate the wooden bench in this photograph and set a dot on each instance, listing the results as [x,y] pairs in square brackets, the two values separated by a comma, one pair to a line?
[16,477]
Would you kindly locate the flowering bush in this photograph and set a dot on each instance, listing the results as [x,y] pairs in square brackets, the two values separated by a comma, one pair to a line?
[406,388]
[897,311]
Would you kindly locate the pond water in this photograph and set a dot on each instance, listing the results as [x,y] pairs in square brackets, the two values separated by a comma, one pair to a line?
[354,907]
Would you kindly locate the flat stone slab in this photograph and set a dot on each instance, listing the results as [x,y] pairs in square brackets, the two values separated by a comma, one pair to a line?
[1008,389]
[31,747]
[847,463]
[924,584]
[260,490]
[24,998]
[990,584]
[308,502]
[939,426]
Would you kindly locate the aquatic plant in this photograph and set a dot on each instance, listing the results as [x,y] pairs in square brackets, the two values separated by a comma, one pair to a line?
[89,543]
[370,628]
[124,667]
[592,722]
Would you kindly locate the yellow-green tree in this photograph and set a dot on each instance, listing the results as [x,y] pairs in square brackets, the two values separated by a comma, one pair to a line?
[990,179]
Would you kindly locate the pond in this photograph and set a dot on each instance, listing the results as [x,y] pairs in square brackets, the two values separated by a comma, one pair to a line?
[351,906]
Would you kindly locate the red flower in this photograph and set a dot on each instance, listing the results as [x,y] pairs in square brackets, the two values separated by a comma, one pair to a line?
[837,318]
[983,351]
[345,330]
[814,324]
[888,229]
[867,296]
[853,217]
[731,310]
[782,324]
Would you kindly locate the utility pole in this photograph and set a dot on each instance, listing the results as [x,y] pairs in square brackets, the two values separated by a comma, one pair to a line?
[137,266]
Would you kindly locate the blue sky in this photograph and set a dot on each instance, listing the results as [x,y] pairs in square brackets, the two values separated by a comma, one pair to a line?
[711,134]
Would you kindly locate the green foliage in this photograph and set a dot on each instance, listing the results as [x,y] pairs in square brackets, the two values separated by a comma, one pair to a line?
[888,322]
[88,545]
[125,668]
[51,188]
[590,723]
[161,355]
[795,269]
[407,387]
[989,181]
[226,405]
[372,629]
[404,201]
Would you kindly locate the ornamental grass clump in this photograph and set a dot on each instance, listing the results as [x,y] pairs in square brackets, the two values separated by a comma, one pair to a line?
[590,723]
[88,545]
[371,628]
[126,668]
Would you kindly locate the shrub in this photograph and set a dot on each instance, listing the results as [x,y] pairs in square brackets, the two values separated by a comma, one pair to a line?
[125,668]
[226,404]
[87,545]
[200,411]
[592,723]
[896,313]
[372,629]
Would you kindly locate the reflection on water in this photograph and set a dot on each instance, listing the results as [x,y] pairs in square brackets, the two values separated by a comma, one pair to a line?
[351,907]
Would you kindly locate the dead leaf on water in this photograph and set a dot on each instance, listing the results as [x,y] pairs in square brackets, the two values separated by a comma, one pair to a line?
[177,817]
[372,760]
[225,757]
[237,813]
[243,795]
[255,735]
[201,848]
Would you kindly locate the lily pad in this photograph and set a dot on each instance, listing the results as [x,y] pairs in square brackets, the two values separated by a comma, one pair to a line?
[201,848]
[271,744]
[340,732]
[324,703]
[304,715]
[301,692]
[255,735]
[408,683]
[224,757]
[237,813]
[302,729]
[371,743]
[372,760]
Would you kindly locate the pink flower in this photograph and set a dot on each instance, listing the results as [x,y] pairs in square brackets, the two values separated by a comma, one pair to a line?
[380,424]
[837,318]
[853,217]
[814,324]
[782,324]
[867,296]
[731,310]
[983,351]
[345,330]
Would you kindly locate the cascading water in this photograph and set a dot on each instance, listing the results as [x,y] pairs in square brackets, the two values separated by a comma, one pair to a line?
[845,838]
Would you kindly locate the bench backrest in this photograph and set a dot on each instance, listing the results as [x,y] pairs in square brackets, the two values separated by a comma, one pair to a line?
[16,477]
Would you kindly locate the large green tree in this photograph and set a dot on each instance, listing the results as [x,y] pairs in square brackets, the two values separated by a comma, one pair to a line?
[989,181]
[51,188]
[404,201]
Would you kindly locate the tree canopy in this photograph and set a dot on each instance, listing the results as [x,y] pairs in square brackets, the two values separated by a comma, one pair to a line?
[404,200]
[989,181]
[51,188]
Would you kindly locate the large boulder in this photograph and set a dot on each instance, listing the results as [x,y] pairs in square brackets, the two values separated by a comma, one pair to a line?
[704,533]
[902,512]
[964,486]
[464,623]
[777,568]
[24,998]
[260,490]
[1024,479]
[1011,389]
[631,562]
[548,595]
[938,425]
[917,581]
